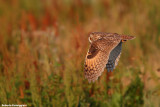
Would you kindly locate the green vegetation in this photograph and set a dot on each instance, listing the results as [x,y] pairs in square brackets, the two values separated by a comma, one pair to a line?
[43,44]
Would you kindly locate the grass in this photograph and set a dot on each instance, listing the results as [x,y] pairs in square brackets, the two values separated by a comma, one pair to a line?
[44,43]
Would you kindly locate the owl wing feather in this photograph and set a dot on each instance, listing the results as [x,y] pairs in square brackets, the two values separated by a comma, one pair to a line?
[114,57]
[97,56]
[117,59]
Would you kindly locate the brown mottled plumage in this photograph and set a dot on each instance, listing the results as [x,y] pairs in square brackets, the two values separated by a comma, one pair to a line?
[99,53]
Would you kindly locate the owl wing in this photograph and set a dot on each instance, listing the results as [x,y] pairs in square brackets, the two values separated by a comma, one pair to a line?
[114,57]
[96,58]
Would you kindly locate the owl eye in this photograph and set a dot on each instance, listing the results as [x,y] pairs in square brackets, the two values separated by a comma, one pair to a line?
[99,38]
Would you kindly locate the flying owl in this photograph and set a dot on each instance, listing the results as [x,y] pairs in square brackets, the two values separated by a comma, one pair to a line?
[104,52]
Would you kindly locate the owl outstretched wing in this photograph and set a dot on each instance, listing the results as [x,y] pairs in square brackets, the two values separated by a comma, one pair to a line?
[97,56]
[116,52]
[114,57]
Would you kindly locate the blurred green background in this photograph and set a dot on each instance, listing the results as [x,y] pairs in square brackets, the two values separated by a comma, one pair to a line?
[43,44]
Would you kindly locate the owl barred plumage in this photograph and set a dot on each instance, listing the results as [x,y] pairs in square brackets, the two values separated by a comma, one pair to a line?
[114,57]
[104,51]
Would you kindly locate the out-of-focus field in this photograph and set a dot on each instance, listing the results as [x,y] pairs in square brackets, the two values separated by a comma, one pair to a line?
[43,44]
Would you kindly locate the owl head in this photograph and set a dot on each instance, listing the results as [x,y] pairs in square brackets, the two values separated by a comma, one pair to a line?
[94,37]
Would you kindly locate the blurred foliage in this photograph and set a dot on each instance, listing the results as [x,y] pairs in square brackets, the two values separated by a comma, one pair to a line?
[43,44]
[133,97]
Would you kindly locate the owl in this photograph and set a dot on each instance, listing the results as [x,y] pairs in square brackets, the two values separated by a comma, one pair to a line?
[104,52]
